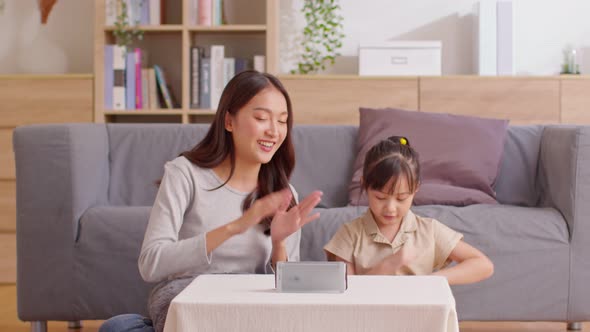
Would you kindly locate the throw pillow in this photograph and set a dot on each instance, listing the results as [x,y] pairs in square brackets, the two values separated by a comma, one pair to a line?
[459,155]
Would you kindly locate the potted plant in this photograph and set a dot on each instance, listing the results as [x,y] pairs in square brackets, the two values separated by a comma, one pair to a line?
[322,36]
[125,32]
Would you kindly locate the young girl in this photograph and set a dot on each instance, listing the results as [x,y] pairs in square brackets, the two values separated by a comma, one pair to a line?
[389,238]
[225,206]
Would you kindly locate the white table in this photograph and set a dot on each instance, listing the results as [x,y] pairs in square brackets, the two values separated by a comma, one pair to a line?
[371,303]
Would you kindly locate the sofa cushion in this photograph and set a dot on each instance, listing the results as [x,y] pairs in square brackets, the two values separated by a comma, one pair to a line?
[105,261]
[138,154]
[323,161]
[516,183]
[528,246]
[459,155]
[489,227]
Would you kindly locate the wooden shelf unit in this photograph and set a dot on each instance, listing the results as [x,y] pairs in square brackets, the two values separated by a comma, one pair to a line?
[251,29]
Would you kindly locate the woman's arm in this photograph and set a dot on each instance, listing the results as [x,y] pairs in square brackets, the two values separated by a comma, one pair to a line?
[472,265]
[286,223]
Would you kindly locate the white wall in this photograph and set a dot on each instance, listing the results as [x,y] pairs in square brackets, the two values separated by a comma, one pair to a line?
[63,45]
[542,29]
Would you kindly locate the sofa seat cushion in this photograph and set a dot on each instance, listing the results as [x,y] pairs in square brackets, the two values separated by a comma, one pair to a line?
[529,248]
[107,249]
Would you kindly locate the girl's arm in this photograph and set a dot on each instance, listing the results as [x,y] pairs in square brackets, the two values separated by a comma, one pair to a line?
[349,266]
[472,265]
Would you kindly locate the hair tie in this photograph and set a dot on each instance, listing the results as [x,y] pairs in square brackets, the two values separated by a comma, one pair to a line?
[401,140]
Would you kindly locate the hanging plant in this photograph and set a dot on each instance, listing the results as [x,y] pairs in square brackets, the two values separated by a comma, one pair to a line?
[322,36]
[125,33]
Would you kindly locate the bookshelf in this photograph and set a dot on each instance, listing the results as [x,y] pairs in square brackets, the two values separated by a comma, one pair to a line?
[250,29]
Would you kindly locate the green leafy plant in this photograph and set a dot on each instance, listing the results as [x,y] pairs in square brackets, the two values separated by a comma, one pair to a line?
[322,36]
[125,33]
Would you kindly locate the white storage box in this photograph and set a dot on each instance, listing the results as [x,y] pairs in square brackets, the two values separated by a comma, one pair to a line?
[400,58]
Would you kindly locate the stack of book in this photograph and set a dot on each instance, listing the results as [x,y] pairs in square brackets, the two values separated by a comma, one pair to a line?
[128,84]
[138,12]
[209,75]
[206,12]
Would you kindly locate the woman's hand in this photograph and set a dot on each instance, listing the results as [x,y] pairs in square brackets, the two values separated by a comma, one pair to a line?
[260,209]
[286,222]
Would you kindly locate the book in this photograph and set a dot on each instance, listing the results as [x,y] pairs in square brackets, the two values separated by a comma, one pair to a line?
[110,16]
[145,89]
[205,8]
[161,79]
[138,82]
[108,77]
[485,37]
[505,38]
[241,65]
[152,89]
[260,63]
[130,80]
[145,12]
[194,12]
[205,83]
[119,93]
[155,12]
[216,78]
[196,54]
[229,69]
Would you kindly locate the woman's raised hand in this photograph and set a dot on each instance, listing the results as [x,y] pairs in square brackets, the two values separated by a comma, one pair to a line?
[286,222]
[262,208]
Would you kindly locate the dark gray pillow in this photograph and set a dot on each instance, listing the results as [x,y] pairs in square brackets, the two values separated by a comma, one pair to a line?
[459,155]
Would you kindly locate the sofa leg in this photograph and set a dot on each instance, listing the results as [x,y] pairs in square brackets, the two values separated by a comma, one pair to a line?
[574,326]
[74,324]
[39,326]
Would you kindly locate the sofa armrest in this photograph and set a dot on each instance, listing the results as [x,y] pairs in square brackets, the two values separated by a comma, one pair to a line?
[565,185]
[61,171]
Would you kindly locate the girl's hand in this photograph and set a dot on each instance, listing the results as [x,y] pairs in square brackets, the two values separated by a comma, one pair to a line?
[402,257]
[286,222]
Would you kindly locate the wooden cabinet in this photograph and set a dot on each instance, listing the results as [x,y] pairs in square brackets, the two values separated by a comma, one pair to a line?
[522,100]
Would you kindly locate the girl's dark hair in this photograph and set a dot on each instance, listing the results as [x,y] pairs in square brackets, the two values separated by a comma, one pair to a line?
[390,159]
[218,143]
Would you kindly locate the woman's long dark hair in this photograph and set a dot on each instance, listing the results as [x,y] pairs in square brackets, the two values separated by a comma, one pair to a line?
[218,143]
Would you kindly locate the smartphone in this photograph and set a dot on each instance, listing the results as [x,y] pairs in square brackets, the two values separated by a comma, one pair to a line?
[311,277]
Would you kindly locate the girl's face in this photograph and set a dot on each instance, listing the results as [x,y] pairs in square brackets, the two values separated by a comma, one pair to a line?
[260,127]
[390,208]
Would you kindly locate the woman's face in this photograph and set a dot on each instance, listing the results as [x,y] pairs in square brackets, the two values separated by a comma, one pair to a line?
[260,127]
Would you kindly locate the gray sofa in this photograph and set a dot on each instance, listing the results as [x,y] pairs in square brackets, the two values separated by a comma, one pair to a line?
[84,193]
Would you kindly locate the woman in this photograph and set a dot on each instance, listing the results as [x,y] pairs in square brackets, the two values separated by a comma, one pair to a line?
[225,206]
